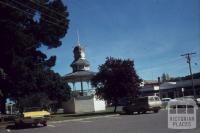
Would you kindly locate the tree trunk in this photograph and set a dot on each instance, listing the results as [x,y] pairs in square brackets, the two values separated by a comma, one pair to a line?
[3,105]
[115,109]
[115,104]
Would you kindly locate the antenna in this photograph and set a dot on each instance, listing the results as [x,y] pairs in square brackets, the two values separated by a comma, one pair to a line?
[78,38]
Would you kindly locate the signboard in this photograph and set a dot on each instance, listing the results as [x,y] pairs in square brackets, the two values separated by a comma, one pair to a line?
[182,114]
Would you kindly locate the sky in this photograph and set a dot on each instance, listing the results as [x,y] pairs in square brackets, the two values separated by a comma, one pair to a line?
[153,33]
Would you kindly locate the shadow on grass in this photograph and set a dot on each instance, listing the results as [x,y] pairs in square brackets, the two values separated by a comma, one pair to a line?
[90,114]
[135,113]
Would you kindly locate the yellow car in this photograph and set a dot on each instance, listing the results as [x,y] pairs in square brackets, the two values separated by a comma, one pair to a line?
[32,116]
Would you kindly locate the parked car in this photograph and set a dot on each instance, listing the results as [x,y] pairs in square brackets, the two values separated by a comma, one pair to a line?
[125,101]
[198,100]
[165,102]
[193,98]
[143,104]
[189,97]
[32,116]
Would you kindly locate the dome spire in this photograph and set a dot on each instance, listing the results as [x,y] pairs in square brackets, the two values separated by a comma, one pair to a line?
[78,42]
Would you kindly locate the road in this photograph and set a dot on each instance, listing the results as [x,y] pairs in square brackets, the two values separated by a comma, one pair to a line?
[144,123]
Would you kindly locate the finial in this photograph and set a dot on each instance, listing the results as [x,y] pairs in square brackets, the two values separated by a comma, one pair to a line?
[78,38]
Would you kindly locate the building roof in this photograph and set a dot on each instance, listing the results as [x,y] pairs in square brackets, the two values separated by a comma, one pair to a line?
[150,81]
[180,84]
[79,76]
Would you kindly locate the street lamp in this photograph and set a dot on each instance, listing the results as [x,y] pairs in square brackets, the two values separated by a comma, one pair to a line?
[11,109]
[182,89]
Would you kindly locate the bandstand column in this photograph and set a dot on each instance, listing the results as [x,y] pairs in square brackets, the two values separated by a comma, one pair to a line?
[73,86]
[88,84]
[81,87]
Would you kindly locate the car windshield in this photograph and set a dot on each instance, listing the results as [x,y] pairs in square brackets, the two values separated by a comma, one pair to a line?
[157,99]
[167,99]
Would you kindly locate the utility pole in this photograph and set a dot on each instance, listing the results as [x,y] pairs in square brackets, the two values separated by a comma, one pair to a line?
[159,83]
[188,57]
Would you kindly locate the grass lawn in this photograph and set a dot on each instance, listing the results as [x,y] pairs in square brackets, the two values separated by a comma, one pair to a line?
[60,117]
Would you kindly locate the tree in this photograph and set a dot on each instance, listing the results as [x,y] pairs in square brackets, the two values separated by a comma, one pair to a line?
[187,77]
[116,79]
[25,27]
[165,77]
[2,74]
[2,82]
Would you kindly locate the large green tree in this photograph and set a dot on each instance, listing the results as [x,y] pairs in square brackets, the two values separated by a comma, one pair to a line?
[25,27]
[116,79]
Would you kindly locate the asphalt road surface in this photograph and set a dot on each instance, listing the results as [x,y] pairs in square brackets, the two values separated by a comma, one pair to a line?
[143,123]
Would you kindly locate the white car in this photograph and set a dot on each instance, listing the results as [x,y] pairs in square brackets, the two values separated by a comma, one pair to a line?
[198,101]
[165,102]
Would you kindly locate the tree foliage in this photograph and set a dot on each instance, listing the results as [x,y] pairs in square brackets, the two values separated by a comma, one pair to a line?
[116,79]
[188,77]
[28,69]
[165,77]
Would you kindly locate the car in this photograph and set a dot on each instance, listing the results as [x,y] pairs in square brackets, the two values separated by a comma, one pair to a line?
[165,102]
[195,98]
[189,97]
[32,116]
[143,104]
[198,100]
[125,101]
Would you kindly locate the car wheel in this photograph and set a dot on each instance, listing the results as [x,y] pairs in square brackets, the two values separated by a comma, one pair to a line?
[144,111]
[44,123]
[17,124]
[128,112]
[155,111]
[35,124]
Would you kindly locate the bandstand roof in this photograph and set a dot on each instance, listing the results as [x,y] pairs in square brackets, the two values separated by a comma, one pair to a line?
[79,76]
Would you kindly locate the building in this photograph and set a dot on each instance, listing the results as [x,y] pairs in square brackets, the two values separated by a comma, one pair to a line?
[149,88]
[179,89]
[169,89]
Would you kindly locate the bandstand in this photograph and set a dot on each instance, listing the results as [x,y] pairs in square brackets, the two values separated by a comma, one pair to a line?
[83,97]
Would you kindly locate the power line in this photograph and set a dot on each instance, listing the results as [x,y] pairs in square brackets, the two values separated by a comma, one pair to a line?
[171,67]
[162,64]
[9,5]
[157,66]
[47,8]
[26,6]
[174,67]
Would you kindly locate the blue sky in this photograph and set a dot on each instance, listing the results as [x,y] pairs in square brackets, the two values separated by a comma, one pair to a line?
[153,33]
